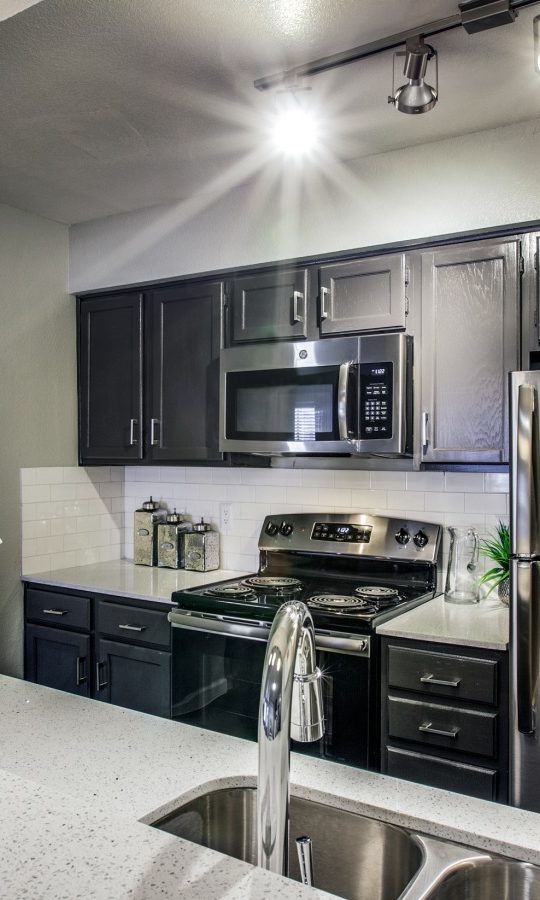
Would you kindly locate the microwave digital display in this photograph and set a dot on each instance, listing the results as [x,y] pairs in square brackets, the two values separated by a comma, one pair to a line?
[376,397]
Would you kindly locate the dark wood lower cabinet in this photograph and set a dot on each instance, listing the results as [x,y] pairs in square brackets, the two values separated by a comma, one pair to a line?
[123,658]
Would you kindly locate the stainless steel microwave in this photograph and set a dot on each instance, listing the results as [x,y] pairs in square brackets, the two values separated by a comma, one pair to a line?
[350,395]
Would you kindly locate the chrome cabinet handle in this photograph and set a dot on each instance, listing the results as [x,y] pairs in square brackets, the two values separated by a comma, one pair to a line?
[429,679]
[297,296]
[425,430]
[428,728]
[323,293]
[100,684]
[55,612]
[343,385]
[153,424]
[132,424]
[81,679]
[132,627]
[305,859]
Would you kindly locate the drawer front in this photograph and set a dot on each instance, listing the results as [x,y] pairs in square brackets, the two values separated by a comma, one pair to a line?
[475,781]
[134,624]
[435,725]
[63,610]
[443,674]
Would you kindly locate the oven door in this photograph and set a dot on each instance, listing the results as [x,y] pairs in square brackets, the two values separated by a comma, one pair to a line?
[290,398]
[217,675]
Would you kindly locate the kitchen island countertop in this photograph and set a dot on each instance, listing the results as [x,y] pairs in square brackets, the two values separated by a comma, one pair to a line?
[77,776]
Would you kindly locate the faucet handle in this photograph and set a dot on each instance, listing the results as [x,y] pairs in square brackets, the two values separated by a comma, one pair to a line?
[307,715]
[305,859]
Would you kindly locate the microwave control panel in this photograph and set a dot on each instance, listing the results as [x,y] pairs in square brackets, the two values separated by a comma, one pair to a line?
[376,396]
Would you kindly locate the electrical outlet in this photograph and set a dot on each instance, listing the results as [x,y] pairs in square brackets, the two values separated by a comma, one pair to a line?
[225,517]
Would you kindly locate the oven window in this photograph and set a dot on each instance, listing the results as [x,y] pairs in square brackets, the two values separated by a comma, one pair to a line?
[283,405]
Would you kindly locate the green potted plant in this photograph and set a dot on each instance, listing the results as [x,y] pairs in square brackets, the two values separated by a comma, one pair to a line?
[497,548]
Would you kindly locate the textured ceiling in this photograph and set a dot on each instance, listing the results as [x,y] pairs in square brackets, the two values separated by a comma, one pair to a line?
[112,105]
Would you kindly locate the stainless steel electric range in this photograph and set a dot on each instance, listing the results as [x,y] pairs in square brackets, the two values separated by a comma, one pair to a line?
[354,571]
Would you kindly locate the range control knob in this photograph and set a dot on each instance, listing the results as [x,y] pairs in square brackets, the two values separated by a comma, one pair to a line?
[285,529]
[272,528]
[420,539]
[402,536]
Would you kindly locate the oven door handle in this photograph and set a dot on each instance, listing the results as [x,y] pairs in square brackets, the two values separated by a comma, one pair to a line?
[342,400]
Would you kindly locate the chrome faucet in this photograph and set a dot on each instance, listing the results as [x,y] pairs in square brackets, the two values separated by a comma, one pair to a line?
[290,706]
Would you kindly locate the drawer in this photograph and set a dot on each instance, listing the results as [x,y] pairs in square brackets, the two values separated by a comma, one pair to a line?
[133,623]
[475,781]
[443,674]
[53,608]
[463,730]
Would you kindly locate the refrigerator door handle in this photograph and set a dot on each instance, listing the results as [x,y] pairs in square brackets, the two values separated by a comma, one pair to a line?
[526,596]
[523,474]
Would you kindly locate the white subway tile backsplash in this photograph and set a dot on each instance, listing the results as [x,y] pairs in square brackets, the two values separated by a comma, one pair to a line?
[356,480]
[36,529]
[391,480]
[338,497]
[486,503]
[317,478]
[496,483]
[445,502]
[368,500]
[466,481]
[35,493]
[414,500]
[425,481]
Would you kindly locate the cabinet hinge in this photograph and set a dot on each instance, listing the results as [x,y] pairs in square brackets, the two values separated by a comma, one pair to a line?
[521,264]
[536,260]
[406,306]
[407,275]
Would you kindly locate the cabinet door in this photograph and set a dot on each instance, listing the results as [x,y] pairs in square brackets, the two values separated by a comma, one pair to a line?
[110,378]
[58,659]
[270,306]
[134,677]
[186,340]
[470,315]
[364,295]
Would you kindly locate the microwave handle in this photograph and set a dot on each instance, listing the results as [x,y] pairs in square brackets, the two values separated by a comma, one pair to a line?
[342,399]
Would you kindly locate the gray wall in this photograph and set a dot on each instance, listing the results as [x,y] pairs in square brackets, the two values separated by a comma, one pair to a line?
[37,388]
[474,181]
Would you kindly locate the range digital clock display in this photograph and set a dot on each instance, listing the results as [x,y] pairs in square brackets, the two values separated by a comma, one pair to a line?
[333,531]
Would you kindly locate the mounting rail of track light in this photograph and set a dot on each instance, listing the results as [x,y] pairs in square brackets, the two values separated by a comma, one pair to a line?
[416,96]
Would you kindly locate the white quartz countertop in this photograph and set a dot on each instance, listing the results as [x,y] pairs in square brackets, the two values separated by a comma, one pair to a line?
[77,776]
[123,578]
[484,624]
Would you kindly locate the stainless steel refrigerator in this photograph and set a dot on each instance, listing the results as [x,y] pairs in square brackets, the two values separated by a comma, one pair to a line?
[525,589]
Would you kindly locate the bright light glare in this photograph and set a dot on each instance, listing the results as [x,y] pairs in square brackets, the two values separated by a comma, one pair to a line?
[295,132]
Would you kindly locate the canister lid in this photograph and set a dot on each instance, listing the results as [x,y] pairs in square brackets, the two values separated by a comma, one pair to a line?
[150,505]
[202,526]
[174,518]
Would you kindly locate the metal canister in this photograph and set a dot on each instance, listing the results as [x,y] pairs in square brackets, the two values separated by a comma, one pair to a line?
[202,548]
[171,541]
[146,521]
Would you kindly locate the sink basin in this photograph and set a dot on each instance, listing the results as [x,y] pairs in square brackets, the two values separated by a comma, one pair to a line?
[353,856]
[500,879]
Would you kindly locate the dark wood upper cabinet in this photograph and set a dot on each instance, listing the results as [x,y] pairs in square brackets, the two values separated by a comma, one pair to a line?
[186,340]
[363,295]
[269,306]
[111,378]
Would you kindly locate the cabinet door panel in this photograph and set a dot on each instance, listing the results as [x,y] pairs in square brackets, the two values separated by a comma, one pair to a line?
[134,677]
[476,781]
[58,659]
[186,340]
[110,378]
[270,306]
[470,314]
[452,727]
[364,295]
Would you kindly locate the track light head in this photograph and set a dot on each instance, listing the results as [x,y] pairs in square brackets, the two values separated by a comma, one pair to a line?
[416,96]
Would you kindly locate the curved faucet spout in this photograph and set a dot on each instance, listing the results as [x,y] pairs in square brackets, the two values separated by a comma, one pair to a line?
[291,702]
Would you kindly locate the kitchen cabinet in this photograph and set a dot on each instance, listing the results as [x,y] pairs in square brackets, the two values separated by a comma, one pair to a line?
[108,648]
[367,294]
[111,378]
[149,375]
[269,306]
[445,717]
[470,341]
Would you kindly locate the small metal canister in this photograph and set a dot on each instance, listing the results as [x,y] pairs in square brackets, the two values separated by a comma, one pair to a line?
[146,521]
[171,541]
[202,548]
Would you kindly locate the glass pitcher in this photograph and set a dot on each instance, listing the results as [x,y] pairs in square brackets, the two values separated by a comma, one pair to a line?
[461,576]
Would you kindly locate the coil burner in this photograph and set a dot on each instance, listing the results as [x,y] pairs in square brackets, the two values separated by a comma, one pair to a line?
[379,595]
[232,591]
[340,603]
[274,584]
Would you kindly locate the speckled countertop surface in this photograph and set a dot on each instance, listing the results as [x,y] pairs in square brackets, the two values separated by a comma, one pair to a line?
[483,624]
[77,777]
[123,578]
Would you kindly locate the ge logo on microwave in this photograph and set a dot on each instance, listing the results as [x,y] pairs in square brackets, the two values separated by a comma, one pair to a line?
[303,354]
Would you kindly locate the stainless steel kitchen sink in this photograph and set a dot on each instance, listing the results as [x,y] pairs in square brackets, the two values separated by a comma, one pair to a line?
[497,879]
[353,856]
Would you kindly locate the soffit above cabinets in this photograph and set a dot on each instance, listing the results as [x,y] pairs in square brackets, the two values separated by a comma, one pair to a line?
[109,106]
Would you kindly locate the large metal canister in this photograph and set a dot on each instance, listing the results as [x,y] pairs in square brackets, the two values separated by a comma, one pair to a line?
[146,521]
[170,541]
[202,548]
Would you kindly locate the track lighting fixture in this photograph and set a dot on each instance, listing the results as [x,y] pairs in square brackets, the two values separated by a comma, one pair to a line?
[295,128]
[416,96]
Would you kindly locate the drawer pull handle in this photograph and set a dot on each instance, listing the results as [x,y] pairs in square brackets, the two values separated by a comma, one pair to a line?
[132,627]
[429,679]
[428,728]
[55,612]
[100,684]
[81,679]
